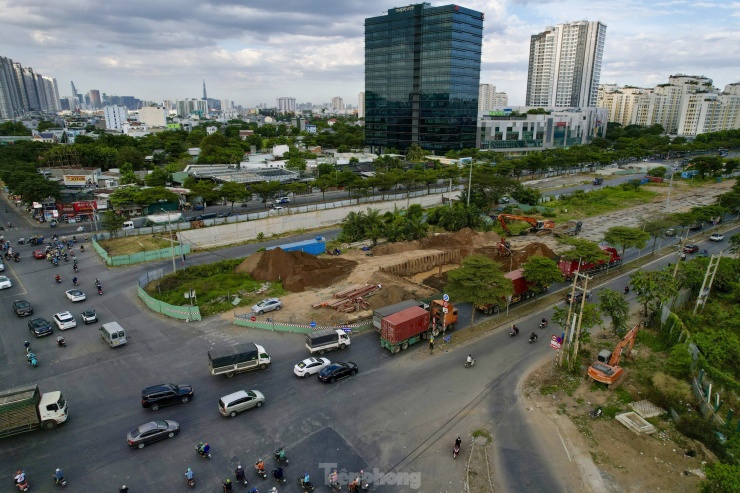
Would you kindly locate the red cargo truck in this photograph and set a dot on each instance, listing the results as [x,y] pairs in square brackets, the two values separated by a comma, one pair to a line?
[522,291]
[570,267]
[399,330]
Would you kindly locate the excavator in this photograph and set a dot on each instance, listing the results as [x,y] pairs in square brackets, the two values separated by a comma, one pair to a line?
[606,369]
[540,227]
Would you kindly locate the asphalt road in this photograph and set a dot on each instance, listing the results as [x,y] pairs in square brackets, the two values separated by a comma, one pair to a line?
[399,414]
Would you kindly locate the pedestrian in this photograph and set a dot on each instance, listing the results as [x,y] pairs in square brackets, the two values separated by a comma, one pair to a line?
[431,345]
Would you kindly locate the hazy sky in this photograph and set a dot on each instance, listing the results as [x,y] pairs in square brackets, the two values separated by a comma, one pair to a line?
[253,51]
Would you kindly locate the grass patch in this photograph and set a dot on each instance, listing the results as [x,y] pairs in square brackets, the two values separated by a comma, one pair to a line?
[212,283]
[611,410]
[483,433]
[134,244]
[581,204]
[651,340]
[549,389]
[623,395]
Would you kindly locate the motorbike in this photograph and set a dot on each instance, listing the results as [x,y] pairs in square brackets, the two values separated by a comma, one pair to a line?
[455,451]
[61,342]
[533,338]
[596,413]
[76,268]
[207,455]
[514,331]
[60,481]
[23,486]
[66,257]
[306,485]
[100,289]
[470,363]
[190,482]
[626,290]
[282,460]
[58,280]
[280,479]
[334,484]
[261,473]
[17,259]
[543,324]
[360,482]
[32,360]
[76,283]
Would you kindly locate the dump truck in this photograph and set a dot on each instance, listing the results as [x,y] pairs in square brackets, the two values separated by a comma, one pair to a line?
[522,291]
[399,330]
[572,228]
[230,360]
[570,267]
[25,409]
[325,340]
[391,309]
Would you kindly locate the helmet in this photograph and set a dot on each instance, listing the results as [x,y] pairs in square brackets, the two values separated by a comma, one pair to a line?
[57,470]
[189,470]
[238,467]
[228,481]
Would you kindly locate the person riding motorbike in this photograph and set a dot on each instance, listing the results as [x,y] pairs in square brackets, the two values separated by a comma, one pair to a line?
[458,442]
[259,466]
[74,281]
[20,477]
[470,359]
[281,454]
[82,248]
[306,478]
[123,489]
[515,329]
[626,290]
[57,278]
[544,321]
[227,486]
[532,337]
[189,474]
[60,341]
[58,475]
[333,478]
[97,282]
[278,473]
[239,473]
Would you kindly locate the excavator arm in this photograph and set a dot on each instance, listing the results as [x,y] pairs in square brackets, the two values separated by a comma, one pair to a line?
[503,217]
[628,341]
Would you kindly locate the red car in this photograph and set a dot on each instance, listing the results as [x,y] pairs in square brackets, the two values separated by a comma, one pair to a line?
[691,249]
[39,254]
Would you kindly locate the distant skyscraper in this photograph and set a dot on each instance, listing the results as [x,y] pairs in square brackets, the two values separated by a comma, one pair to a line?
[337,104]
[485,97]
[115,117]
[205,94]
[361,105]
[286,105]
[95,100]
[11,103]
[565,65]
[422,70]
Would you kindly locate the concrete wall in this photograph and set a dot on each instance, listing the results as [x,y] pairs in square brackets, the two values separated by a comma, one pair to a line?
[227,234]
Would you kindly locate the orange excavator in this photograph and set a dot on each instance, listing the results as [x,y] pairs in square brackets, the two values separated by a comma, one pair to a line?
[606,369]
[540,227]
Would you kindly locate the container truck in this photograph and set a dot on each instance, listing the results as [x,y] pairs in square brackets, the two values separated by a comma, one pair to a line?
[570,267]
[25,409]
[523,290]
[399,330]
[231,360]
[325,340]
[390,310]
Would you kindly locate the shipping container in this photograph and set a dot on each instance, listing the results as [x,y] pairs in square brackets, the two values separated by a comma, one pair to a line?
[570,267]
[404,328]
[391,309]
[314,247]
[523,290]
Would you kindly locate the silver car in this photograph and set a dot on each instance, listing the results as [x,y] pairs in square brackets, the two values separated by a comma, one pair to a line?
[230,405]
[267,305]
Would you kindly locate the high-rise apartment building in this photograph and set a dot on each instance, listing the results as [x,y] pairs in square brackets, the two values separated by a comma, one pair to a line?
[337,104]
[11,103]
[286,105]
[153,116]
[187,107]
[485,97]
[422,70]
[361,105]
[565,65]
[619,101]
[115,117]
[500,99]
[95,100]
[23,90]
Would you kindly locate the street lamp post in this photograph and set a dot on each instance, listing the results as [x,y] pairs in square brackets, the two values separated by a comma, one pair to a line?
[172,242]
[470,181]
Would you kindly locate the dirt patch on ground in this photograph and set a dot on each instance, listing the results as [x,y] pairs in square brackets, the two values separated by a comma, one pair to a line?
[298,271]
[135,244]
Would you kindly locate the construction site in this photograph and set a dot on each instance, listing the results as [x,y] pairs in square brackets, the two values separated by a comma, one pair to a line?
[342,289]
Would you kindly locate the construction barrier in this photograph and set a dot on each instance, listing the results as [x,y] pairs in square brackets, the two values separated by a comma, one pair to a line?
[187,312]
[246,321]
[140,257]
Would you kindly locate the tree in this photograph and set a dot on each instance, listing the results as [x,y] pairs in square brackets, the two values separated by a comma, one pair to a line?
[526,195]
[656,228]
[296,164]
[233,191]
[415,153]
[157,178]
[128,177]
[612,304]
[735,244]
[205,189]
[112,222]
[584,250]
[479,281]
[625,237]
[659,171]
[353,227]
[542,272]
[148,196]
[653,288]
[721,478]
[266,190]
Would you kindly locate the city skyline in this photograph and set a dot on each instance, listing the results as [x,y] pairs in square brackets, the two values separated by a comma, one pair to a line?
[313,51]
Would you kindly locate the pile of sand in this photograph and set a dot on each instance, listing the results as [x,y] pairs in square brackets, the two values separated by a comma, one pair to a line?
[396,248]
[537,250]
[297,271]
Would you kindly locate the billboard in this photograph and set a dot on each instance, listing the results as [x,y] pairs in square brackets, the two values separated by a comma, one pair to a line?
[79,180]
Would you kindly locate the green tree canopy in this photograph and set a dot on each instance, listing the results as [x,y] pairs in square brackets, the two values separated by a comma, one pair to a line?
[479,281]
[626,237]
[614,305]
[542,272]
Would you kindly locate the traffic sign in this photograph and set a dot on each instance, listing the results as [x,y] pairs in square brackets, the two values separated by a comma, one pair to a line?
[444,310]
[445,305]
[554,343]
[446,297]
[312,324]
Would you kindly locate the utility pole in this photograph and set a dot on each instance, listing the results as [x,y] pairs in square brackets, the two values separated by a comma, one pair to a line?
[573,320]
[706,286]
[172,243]
[470,181]
[580,318]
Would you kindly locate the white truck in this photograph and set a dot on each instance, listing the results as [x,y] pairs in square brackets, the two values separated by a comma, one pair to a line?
[325,340]
[231,360]
[25,409]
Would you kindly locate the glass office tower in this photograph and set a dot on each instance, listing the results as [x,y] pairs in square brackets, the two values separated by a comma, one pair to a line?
[422,70]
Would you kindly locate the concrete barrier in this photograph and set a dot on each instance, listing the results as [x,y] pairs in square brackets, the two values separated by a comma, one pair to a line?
[228,234]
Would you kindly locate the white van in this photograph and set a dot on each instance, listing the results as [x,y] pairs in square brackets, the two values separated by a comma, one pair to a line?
[113,334]
[127,225]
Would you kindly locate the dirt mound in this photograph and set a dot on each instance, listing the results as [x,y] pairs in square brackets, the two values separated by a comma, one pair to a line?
[538,250]
[389,295]
[298,271]
[395,248]
[437,282]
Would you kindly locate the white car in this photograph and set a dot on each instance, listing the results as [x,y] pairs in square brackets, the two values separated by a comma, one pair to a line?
[310,366]
[716,237]
[65,320]
[267,305]
[2,267]
[5,283]
[75,295]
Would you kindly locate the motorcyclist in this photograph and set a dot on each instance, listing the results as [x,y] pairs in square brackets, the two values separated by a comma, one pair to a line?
[259,466]
[20,477]
[97,282]
[57,278]
[60,341]
[82,248]
[306,478]
[30,357]
[239,473]
[470,362]
[333,478]
[533,336]
[281,454]
[515,329]
[278,473]
[74,281]
[205,449]
[189,474]
[626,289]
[58,475]
[227,486]
[458,442]
[544,321]
[123,489]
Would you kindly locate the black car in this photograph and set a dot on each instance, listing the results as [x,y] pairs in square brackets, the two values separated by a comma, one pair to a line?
[22,308]
[165,394]
[152,432]
[40,327]
[578,297]
[335,371]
